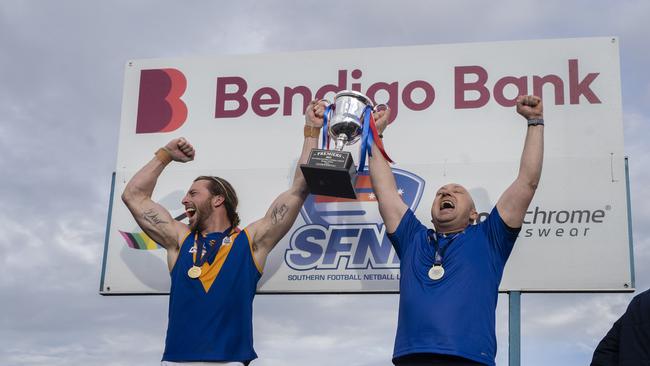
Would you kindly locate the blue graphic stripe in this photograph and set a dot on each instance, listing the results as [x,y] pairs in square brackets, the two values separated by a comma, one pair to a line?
[343,213]
[363,190]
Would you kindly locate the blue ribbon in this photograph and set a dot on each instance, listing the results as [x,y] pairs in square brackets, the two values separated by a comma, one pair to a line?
[325,132]
[366,139]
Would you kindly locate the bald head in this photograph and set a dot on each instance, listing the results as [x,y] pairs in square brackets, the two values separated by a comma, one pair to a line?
[453,209]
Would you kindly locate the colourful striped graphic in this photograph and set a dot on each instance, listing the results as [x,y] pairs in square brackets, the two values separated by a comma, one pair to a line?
[139,241]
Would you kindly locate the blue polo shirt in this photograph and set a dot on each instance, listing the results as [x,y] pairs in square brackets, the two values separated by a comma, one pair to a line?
[454,315]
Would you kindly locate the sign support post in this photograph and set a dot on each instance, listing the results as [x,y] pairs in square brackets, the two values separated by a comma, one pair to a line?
[514,328]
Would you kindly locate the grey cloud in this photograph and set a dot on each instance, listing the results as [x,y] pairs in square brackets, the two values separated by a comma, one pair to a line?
[60,95]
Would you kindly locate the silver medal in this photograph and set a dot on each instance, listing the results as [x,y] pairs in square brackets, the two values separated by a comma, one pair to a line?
[436,272]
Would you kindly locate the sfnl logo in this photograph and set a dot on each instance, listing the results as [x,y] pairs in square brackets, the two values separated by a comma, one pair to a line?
[349,234]
[160,108]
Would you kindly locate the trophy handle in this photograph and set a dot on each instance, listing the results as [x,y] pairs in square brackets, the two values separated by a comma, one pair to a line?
[380,107]
[329,108]
[327,101]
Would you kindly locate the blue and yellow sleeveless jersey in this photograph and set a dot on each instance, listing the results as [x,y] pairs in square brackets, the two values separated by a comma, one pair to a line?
[211,317]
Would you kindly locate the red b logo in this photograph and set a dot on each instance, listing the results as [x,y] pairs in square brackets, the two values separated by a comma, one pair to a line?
[160,108]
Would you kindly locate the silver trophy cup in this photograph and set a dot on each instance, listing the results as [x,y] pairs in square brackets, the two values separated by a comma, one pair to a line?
[346,122]
[332,172]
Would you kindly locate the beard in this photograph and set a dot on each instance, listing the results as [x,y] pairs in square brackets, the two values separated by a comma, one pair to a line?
[203,211]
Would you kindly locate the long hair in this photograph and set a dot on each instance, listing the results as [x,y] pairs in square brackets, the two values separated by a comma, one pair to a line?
[221,187]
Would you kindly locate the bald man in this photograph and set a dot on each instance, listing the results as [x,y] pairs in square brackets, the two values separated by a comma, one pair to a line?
[450,274]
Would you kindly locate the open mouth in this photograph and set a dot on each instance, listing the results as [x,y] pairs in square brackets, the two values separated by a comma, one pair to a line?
[190,212]
[447,204]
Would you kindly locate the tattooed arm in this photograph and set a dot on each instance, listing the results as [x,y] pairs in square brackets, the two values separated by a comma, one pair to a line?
[153,218]
[267,232]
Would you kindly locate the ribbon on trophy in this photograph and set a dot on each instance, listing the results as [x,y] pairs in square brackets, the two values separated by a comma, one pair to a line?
[325,143]
[368,137]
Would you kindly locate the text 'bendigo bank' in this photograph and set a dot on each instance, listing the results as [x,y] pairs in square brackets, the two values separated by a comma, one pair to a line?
[473,88]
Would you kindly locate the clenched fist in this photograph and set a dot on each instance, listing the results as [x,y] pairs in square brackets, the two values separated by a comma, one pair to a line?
[381,119]
[315,112]
[180,150]
[530,107]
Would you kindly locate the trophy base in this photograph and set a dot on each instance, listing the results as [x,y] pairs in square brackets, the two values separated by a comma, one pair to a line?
[330,173]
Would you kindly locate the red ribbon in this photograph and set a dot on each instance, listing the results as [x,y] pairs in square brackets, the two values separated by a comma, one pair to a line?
[377,140]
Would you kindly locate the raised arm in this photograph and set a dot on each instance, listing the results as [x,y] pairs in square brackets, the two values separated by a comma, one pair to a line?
[513,203]
[267,232]
[153,218]
[391,206]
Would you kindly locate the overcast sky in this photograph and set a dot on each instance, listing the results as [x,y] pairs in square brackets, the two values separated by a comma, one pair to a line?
[61,75]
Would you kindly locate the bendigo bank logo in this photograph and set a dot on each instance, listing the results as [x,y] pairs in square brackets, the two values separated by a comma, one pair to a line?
[160,108]
[340,228]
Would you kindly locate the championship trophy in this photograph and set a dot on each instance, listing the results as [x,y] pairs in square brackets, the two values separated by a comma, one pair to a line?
[332,172]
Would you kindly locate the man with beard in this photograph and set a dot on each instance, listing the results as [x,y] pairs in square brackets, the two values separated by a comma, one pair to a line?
[214,267]
[450,275]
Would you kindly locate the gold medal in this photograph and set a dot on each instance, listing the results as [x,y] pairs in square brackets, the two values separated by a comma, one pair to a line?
[436,272]
[194,272]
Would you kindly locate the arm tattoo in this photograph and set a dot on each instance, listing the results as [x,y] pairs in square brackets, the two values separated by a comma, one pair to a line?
[151,216]
[279,213]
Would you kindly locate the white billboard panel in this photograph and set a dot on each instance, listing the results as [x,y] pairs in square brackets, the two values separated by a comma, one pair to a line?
[454,122]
